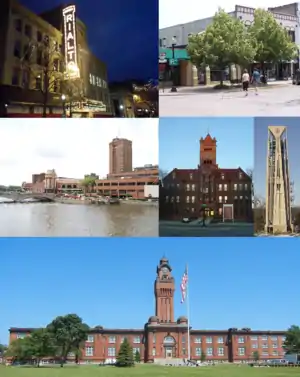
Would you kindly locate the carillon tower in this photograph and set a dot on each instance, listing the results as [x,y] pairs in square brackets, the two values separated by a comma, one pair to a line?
[278,202]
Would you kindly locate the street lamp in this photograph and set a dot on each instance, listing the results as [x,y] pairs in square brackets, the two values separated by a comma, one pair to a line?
[121,107]
[63,98]
[174,42]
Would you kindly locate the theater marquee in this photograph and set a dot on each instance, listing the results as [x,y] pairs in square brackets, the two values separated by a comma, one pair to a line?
[70,42]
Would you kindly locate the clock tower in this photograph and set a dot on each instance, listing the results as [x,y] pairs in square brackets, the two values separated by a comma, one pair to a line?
[164,288]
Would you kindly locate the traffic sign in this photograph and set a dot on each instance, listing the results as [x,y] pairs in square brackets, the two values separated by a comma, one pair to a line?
[173,61]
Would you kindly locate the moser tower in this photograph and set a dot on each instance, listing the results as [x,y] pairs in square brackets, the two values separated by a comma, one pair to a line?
[278,203]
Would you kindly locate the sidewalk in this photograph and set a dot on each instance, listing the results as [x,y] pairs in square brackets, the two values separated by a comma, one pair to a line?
[189,90]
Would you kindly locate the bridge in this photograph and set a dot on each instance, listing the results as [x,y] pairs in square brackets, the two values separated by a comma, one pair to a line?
[18,196]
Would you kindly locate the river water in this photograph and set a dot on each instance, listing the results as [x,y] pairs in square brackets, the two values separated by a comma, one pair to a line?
[78,220]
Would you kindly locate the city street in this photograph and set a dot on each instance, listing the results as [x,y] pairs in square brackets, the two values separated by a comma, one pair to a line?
[276,99]
[179,229]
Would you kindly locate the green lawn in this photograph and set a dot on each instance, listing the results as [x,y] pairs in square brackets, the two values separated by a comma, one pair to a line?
[148,371]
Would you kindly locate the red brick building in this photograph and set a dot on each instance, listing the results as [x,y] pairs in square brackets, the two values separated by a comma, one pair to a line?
[166,338]
[221,193]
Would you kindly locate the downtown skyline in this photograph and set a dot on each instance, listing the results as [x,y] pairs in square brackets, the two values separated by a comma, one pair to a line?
[73,148]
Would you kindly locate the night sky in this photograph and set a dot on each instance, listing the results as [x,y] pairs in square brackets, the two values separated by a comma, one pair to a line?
[122,33]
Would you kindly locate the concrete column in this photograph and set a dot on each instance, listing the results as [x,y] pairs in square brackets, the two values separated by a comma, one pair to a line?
[207,75]
[195,76]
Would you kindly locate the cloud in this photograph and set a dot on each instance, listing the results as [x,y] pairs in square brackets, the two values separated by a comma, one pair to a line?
[49,153]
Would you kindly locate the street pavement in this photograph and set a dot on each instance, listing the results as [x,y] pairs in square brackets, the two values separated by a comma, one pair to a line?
[275,99]
[179,229]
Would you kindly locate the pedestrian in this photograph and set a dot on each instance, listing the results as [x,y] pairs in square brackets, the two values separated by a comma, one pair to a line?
[255,79]
[245,81]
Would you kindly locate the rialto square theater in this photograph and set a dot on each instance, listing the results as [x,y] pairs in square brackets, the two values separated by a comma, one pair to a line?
[165,338]
[47,67]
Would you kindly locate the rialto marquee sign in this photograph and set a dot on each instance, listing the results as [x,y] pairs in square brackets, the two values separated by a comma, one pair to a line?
[70,42]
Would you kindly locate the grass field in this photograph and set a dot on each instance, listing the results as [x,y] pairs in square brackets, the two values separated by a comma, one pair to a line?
[148,371]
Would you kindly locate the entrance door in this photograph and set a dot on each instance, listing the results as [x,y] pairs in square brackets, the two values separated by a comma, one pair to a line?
[169,352]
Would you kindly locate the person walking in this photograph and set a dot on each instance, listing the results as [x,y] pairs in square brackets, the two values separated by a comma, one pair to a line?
[245,81]
[255,80]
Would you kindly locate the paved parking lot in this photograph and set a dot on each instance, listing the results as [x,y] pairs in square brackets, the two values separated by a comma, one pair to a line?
[274,100]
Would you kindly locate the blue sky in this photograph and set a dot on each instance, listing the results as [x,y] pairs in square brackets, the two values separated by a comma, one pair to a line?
[179,141]
[260,151]
[109,282]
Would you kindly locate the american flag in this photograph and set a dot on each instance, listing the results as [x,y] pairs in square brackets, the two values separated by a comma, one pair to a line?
[183,285]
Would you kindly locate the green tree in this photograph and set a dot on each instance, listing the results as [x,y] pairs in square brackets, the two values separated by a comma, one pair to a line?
[224,42]
[203,356]
[292,340]
[256,355]
[125,356]
[68,333]
[271,41]
[137,357]
[88,183]
[41,345]
[20,350]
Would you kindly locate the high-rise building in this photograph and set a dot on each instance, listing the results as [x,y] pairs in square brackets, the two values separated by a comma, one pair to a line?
[278,202]
[120,156]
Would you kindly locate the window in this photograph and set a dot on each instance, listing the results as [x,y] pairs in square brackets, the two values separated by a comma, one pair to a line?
[154,339]
[89,351]
[111,351]
[167,199]
[241,339]
[240,175]
[241,198]
[198,351]
[264,337]
[193,209]
[265,353]
[20,336]
[235,186]
[283,339]
[209,351]
[274,338]
[225,187]
[39,57]
[220,340]
[254,337]
[187,199]
[187,187]
[241,351]
[265,345]
[112,339]
[274,345]
[240,187]
[220,199]
[254,345]
[275,353]
[198,340]
[246,186]
[225,199]
[17,49]
[90,339]
[177,199]
[208,339]
[39,36]
[220,351]
[136,340]
[222,176]
[183,339]
[183,351]
[191,175]
[135,350]
[28,31]
[173,175]
[193,199]
[38,83]
[18,24]
[220,187]
[15,80]
[193,187]
[122,339]
[153,352]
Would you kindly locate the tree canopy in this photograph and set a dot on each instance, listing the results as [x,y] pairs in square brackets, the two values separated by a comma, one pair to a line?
[227,40]
[292,340]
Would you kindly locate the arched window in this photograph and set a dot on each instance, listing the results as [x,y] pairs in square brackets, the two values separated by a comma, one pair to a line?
[169,340]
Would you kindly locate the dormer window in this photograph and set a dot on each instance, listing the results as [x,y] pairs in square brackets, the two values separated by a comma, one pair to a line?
[240,175]
[222,176]
[174,175]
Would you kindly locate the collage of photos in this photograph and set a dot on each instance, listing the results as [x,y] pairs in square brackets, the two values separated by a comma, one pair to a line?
[159,141]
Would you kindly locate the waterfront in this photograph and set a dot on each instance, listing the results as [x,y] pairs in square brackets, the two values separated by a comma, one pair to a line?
[69,220]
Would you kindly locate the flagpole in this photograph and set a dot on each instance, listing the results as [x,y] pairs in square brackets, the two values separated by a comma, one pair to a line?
[188,314]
